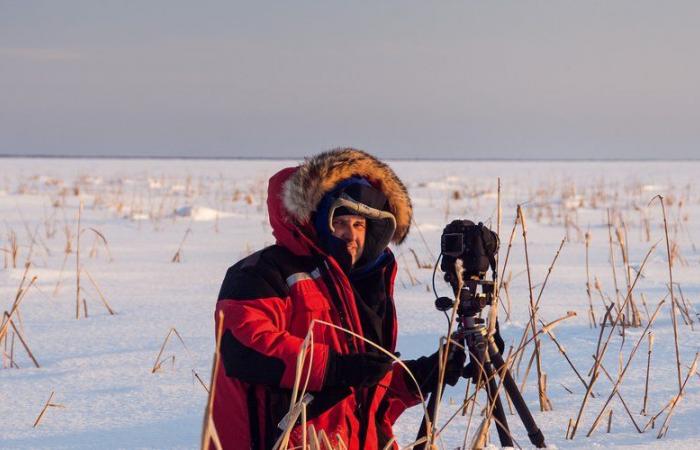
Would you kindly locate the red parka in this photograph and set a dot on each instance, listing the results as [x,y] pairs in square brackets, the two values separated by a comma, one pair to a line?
[269,300]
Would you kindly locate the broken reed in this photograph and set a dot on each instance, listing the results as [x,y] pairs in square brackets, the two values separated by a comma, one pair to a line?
[47,405]
[157,365]
[177,257]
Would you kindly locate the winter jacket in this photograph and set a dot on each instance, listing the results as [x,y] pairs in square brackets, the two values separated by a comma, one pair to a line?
[269,301]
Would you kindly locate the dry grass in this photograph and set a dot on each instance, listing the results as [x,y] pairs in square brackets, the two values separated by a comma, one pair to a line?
[47,405]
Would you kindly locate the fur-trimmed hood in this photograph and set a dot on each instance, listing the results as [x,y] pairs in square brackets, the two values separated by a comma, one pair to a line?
[319,174]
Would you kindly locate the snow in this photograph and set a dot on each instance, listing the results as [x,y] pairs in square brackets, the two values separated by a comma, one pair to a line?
[100,367]
[200,213]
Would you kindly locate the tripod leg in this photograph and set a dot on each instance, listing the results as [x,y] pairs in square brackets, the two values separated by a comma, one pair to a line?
[533,431]
[498,411]
[423,431]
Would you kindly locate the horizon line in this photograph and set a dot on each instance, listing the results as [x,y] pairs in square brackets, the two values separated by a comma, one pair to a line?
[277,158]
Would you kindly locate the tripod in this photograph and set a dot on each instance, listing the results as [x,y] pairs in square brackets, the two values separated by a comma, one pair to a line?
[482,346]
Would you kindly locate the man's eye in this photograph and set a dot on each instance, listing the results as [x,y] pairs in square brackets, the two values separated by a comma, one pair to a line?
[360,225]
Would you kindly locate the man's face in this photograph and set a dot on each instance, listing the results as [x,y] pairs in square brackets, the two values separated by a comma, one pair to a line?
[352,230]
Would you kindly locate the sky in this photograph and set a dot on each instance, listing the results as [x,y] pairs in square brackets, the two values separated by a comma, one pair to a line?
[400,79]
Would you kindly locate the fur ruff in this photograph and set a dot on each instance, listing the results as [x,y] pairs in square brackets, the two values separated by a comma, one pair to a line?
[319,174]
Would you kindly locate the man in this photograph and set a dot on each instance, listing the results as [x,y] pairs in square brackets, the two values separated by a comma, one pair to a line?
[333,218]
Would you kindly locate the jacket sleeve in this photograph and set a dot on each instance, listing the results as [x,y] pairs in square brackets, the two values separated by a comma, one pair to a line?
[255,344]
[401,394]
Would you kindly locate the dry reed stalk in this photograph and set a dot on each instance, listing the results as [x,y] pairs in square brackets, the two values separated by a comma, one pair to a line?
[624,370]
[443,354]
[510,245]
[687,306]
[389,445]
[544,400]
[493,311]
[545,404]
[673,299]
[644,303]
[314,442]
[568,428]
[196,375]
[177,257]
[208,426]
[60,275]
[646,383]
[481,436]
[548,327]
[20,291]
[34,238]
[377,347]
[599,290]
[611,254]
[69,239]
[622,400]
[499,210]
[6,316]
[593,374]
[324,439]
[506,289]
[99,237]
[613,323]
[341,444]
[631,312]
[158,363]
[47,405]
[420,264]
[562,351]
[527,370]
[13,250]
[425,243]
[652,420]
[298,399]
[610,414]
[473,402]
[99,293]
[303,426]
[77,264]
[591,314]
[411,278]
[21,294]
[667,422]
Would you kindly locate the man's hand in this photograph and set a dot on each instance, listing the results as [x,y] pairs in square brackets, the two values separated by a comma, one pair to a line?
[356,369]
[425,369]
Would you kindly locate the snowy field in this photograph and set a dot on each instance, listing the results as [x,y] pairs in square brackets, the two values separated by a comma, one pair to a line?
[100,367]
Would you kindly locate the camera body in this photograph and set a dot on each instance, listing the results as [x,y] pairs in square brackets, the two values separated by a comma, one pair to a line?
[476,246]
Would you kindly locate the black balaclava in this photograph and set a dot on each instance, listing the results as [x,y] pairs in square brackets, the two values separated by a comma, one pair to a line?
[355,196]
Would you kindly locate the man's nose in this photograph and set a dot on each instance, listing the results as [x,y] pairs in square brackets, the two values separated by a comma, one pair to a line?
[349,234]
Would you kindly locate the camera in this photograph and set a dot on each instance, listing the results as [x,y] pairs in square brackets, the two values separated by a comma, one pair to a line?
[476,246]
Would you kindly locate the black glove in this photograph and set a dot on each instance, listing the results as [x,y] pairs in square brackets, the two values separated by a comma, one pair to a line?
[425,369]
[356,369]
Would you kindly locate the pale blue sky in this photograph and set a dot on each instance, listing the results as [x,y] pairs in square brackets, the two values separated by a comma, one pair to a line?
[402,79]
